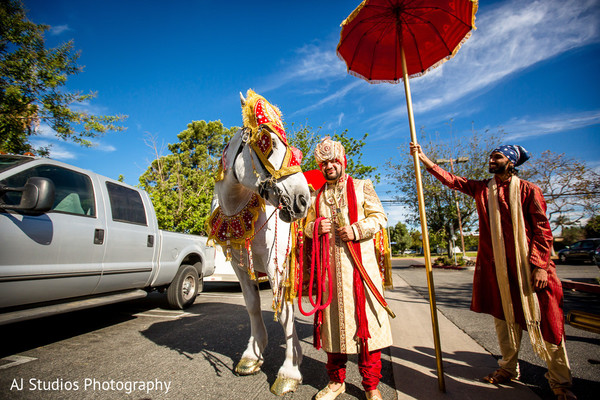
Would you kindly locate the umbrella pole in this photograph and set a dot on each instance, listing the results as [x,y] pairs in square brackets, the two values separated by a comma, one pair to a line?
[426,250]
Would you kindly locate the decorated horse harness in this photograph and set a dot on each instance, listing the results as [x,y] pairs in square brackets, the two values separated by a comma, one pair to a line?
[261,120]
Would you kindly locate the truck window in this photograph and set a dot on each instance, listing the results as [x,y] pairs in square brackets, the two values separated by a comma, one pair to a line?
[74,193]
[7,162]
[126,204]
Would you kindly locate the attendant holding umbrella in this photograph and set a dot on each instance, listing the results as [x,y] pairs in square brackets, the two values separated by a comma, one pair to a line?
[515,280]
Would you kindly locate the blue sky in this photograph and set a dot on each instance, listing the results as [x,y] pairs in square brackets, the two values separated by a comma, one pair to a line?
[530,68]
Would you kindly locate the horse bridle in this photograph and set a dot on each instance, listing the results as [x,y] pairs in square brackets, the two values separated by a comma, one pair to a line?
[268,183]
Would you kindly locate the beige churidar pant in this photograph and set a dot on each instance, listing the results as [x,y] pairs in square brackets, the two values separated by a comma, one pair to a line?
[559,371]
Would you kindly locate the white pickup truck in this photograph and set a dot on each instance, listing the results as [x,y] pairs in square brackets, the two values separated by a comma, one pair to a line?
[73,239]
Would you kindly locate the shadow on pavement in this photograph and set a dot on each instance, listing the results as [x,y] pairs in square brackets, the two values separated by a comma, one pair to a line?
[218,333]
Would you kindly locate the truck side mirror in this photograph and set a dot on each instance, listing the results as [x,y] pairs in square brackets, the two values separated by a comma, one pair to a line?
[37,195]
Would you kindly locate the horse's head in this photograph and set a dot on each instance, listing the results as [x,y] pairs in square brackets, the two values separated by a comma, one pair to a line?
[265,163]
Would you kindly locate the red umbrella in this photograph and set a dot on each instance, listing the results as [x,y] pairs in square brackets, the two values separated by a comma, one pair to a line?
[394,40]
[429,32]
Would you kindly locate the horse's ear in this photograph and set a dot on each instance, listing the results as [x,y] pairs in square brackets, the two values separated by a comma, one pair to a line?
[242,99]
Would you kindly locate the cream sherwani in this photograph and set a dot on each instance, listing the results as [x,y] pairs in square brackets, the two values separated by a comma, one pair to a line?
[338,333]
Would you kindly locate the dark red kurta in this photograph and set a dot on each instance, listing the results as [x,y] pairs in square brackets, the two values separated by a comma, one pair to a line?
[486,295]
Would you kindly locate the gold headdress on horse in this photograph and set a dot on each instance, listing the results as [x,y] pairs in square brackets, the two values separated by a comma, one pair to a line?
[258,111]
[260,118]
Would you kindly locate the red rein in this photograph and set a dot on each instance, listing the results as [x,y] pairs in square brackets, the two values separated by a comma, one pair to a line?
[320,265]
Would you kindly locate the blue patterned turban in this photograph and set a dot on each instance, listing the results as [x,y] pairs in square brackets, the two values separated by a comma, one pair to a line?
[515,153]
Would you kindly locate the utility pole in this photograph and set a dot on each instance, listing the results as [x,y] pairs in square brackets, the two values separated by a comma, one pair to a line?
[388,234]
[452,161]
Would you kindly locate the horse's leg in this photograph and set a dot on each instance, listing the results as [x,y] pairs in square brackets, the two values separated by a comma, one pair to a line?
[252,358]
[289,376]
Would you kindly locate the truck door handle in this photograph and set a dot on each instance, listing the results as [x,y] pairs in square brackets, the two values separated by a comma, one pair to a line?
[150,242]
[99,236]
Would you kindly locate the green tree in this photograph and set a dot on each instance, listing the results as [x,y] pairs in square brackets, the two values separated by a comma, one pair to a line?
[570,187]
[440,202]
[572,234]
[471,242]
[181,184]
[32,80]
[400,238]
[417,241]
[306,139]
[592,228]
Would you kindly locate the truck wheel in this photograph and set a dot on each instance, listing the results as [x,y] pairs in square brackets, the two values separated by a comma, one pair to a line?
[182,292]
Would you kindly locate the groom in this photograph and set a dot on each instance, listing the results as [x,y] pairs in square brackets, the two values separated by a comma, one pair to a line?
[355,322]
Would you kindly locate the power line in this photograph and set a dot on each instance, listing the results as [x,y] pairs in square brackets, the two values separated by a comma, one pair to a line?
[571,194]
[392,201]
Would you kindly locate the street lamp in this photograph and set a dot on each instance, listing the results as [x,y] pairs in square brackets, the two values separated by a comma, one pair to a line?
[452,161]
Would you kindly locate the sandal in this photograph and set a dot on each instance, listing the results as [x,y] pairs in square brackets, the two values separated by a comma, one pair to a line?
[564,394]
[374,395]
[498,377]
[327,394]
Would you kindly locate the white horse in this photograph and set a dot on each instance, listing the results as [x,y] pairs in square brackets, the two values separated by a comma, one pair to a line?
[244,175]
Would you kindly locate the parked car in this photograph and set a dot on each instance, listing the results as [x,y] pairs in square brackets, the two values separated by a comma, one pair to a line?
[597,256]
[72,239]
[223,269]
[579,251]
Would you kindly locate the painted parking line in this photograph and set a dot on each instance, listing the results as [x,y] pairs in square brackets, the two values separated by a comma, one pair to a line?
[13,361]
[221,295]
[160,313]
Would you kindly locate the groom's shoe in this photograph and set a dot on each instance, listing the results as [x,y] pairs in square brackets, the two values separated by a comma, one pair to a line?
[328,394]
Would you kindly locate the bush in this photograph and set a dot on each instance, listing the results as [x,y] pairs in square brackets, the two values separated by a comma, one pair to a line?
[445,260]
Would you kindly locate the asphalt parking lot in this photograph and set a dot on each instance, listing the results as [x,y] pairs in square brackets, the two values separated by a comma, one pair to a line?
[78,355]
[139,350]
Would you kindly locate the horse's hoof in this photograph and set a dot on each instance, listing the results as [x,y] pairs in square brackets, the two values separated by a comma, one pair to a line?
[282,386]
[248,366]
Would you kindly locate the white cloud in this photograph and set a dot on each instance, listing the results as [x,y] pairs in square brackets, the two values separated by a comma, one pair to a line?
[509,38]
[530,127]
[318,62]
[103,147]
[312,63]
[57,151]
[396,213]
[45,136]
[332,97]
[58,29]
[44,131]
[87,107]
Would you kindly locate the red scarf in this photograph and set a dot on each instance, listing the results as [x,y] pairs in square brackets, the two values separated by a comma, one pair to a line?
[362,332]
